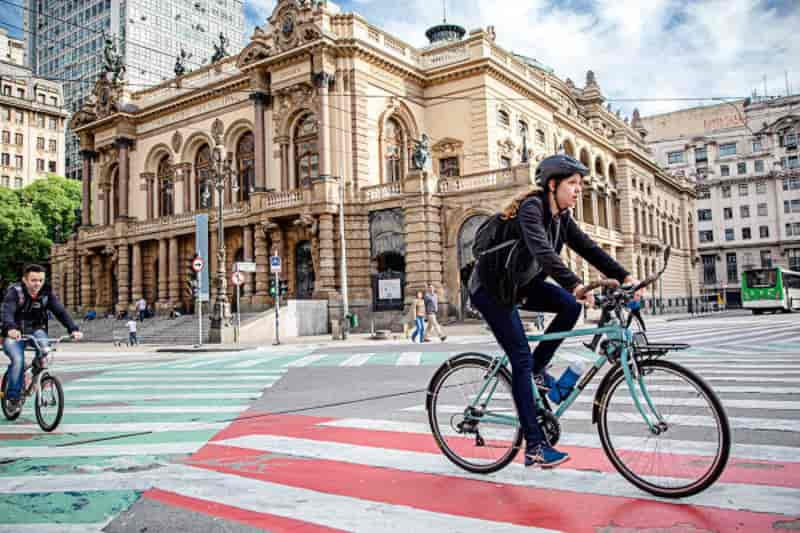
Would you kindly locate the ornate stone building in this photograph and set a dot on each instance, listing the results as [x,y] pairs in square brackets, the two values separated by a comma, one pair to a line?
[318,96]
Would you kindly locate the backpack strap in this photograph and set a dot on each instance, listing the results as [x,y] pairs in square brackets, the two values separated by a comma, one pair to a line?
[20,294]
[500,246]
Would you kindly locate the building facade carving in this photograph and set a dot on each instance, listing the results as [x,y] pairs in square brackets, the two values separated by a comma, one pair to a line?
[322,127]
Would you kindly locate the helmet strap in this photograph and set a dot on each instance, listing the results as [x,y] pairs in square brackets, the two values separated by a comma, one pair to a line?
[559,209]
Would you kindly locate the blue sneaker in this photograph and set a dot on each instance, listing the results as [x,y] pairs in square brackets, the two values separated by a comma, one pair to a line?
[542,455]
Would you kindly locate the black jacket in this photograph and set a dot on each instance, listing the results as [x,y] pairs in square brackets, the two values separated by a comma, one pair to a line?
[545,235]
[31,314]
[541,238]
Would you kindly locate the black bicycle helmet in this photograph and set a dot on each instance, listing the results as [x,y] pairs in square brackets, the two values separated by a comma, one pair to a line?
[558,166]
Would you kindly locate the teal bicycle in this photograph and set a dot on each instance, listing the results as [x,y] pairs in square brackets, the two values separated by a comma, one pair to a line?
[661,425]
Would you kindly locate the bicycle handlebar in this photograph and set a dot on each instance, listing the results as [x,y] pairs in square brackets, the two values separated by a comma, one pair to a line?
[596,284]
[625,292]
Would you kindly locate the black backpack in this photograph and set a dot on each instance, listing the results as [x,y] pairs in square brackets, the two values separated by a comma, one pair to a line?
[496,242]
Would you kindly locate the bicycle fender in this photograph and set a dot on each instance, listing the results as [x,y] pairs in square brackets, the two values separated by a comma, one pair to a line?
[447,365]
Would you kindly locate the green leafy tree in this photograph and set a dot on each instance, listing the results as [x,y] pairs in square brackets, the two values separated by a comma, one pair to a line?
[23,236]
[55,200]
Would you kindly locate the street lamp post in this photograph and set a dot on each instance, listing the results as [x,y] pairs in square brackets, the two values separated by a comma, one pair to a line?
[221,173]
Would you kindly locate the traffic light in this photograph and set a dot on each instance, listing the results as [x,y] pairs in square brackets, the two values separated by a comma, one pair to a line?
[284,287]
[272,287]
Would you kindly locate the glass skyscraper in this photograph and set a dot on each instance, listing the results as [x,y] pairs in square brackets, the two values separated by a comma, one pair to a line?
[64,41]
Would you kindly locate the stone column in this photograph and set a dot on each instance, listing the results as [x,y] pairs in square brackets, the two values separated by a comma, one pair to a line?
[108,198]
[123,261]
[247,237]
[174,275]
[149,178]
[86,281]
[595,214]
[163,283]
[262,268]
[123,147]
[609,212]
[186,177]
[97,277]
[423,235]
[324,80]
[325,287]
[86,200]
[137,272]
[260,100]
[213,244]
[285,185]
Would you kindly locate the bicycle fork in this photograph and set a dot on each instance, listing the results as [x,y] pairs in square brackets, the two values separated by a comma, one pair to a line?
[630,369]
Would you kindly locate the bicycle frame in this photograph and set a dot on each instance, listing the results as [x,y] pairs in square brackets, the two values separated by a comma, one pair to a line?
[630,369]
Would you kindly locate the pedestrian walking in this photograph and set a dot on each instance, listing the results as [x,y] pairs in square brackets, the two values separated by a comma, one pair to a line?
[132,339]
[141,308]
[431,310]
[419,318]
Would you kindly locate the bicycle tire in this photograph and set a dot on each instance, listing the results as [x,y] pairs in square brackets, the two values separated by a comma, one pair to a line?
[4,405]
[47,378]
[481,363]
[616,382]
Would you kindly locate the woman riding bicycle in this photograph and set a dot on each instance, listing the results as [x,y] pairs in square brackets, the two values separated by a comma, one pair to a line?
[542,221]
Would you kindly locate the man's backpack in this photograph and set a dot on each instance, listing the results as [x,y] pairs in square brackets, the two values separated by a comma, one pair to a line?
[21,296]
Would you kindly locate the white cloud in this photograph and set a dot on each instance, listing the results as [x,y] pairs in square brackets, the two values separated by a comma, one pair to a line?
[638,50]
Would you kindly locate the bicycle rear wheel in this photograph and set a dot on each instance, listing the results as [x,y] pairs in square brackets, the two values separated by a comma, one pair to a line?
[692,448]
[49,403]
[3,402]
[474,444]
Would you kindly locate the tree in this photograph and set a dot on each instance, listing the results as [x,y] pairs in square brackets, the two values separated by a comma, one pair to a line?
[55,200]
[23,236]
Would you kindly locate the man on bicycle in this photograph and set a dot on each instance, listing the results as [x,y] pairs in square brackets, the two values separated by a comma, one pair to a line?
[24,312]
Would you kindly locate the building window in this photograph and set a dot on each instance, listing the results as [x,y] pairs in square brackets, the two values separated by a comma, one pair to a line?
[393,140]
[40,143]
[709,269]
[51,166]
[522,126]
[52,146]
[761,187]
[724,170]
[54,101]
[39,120]
[202,170]
[18,162]
[675,158]
[701,155]
[19,117]
[727,149]
[791,183]
[744,211]
[791,206]
[704,214]
[756,145]
[703,194]
[305,143]
[789,140]
[763,232]
[741,168]
[762,210]
[53,124]
[5,160]
[766,259]
[6,90]
[790,162]
[729,234]
[733,272]
[19,139]
[40,165]
[794,258]
[448,167]
[707,236]
[759,166]
[727,213]
[503,118]
[743,188]
[245,162]
[793,229]
[6,181]
[746,234]
[6,137]
[18,182]
[540,136]
[166,203]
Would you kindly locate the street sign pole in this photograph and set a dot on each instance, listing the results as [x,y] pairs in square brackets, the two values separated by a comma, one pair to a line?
[277,310]
[199,312]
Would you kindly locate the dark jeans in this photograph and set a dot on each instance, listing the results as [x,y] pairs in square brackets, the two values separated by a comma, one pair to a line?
[141,315]
[132,338]
[507,327]
[15,351]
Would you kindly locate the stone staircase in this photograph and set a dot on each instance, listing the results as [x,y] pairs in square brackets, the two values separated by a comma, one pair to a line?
[156,330]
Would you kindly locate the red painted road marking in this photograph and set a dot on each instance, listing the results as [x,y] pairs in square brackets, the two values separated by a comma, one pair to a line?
[307,427]
[478,499]
[271,522]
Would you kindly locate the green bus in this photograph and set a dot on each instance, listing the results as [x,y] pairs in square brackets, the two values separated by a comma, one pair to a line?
[770,289]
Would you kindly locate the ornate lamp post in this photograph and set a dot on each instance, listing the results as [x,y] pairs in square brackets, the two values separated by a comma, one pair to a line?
[221,172]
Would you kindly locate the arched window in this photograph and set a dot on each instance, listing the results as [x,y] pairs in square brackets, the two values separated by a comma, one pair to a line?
[394,150]
[540,136]
[166,200]
[569,148]
[599,170]
[503,118]
[245,164]
[585,158]
[523,128]
[202,167]
[305,149]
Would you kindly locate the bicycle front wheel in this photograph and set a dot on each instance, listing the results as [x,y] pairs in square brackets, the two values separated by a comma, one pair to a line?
[693,443]
[49,403]
[473,442]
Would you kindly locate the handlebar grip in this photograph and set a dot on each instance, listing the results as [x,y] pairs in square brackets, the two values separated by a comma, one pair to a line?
[596,284]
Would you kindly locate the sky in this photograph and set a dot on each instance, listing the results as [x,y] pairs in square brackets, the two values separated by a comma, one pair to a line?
[639,50]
